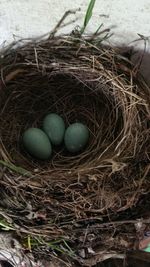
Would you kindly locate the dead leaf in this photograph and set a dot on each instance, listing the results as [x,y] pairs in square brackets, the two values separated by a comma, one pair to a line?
[13,74]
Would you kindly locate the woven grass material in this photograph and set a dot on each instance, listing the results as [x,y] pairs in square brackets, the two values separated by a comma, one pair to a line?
[82,82]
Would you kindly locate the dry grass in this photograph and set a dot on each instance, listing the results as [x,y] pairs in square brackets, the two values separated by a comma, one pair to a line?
[82,82]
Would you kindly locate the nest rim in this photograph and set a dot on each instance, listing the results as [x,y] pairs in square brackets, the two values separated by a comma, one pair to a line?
[102,171]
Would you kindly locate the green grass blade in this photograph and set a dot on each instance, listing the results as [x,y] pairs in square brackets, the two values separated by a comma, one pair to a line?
[100,26]
[69,249]
[89,12]
[88,15]
[5,226]
[14,168]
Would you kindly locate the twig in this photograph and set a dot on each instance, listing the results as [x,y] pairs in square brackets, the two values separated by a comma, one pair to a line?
[116,223]
[67,13]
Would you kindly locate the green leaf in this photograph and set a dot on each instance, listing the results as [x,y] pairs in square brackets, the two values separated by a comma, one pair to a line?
[88,15]
[14,168]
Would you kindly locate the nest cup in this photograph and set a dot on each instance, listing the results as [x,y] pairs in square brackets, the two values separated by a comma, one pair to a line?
[71,91]
[60,93]
[83,83]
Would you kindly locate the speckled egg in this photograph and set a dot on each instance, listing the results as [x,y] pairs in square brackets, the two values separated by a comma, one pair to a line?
[54,127]
[37,143]
[76,137]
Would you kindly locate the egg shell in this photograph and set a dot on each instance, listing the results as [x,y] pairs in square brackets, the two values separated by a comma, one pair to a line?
[54,127]
[37,143]
[76,137]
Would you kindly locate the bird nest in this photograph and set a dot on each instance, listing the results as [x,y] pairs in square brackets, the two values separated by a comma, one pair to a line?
[74,200]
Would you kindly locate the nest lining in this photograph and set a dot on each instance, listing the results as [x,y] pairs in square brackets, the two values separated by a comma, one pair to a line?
[81,82]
